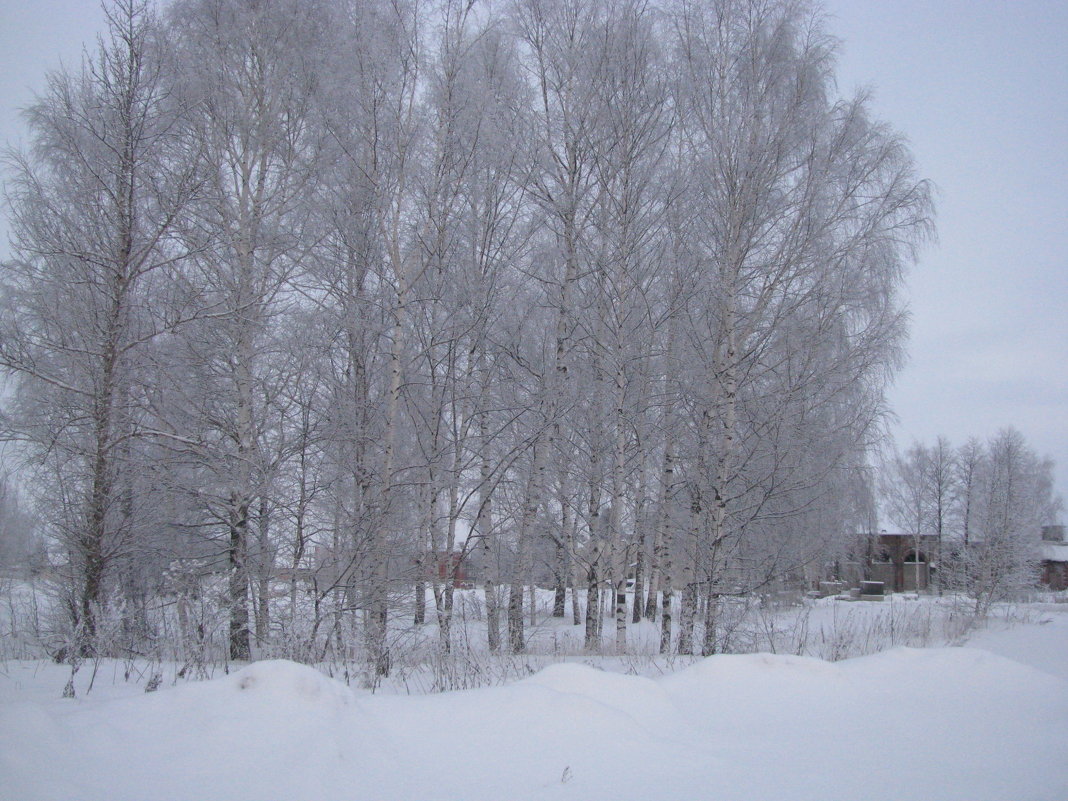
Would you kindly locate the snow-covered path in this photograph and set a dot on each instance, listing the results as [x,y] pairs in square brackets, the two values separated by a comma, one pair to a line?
[946,723]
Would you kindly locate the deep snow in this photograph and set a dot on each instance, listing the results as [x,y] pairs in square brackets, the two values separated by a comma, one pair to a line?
[943,723]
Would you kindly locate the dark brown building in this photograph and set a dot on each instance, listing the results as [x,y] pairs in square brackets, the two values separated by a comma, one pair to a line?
[1054,553]
[899,564]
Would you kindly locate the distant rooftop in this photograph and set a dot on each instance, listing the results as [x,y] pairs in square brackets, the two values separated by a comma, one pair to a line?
[1054,552]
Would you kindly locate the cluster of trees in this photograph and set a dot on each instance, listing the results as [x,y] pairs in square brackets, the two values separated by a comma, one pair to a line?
[985,502]
[329,291]
[21,547]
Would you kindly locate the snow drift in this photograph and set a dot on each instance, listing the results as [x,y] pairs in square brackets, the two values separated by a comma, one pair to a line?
[943,723]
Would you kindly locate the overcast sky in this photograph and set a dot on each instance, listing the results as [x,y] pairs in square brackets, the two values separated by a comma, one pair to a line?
[980,88]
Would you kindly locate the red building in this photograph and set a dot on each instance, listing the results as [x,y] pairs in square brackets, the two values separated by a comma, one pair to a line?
[441,566]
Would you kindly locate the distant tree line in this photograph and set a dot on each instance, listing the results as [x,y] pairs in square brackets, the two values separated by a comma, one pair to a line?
[985,503]
[316,293]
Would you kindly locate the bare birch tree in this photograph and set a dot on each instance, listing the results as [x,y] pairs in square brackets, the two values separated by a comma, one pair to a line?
[251,83]
[801,198]
[94,206]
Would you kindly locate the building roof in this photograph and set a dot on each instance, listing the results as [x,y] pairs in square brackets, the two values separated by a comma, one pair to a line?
[1054,551]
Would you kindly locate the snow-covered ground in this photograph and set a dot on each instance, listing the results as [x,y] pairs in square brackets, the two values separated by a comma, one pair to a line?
[985,721]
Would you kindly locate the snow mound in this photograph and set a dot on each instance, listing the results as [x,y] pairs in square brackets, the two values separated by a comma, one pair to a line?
[954,673]
[959,724]
[744,692]
[278,679]
[642,700]
[274,729]
[715,670]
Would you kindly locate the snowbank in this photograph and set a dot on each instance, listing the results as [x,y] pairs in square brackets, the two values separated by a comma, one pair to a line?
[952,723]
[271,730]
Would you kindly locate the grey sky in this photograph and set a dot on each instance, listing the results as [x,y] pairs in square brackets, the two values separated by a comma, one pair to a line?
[980,88]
